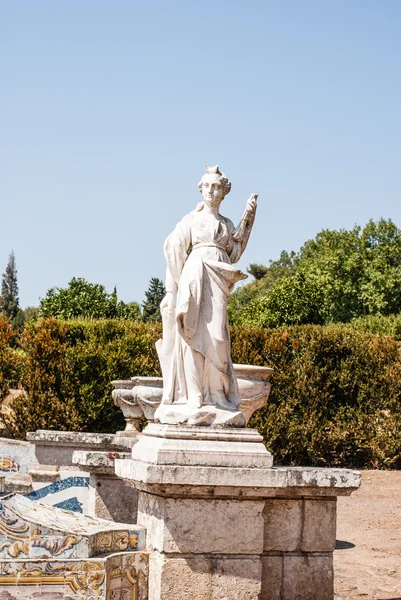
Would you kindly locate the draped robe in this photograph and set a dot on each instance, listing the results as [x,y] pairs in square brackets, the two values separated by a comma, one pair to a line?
[195,352]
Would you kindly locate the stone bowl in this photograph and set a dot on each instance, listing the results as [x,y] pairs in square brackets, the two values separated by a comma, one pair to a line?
[141,396]
[253,386]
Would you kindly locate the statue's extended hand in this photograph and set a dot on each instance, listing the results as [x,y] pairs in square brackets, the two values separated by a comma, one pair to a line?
[168,303]
[251,203]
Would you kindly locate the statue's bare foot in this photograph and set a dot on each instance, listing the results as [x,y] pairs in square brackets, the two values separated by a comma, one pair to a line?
[225,404]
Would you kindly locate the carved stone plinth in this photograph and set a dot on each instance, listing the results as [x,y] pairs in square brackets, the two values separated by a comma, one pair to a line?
[222,523]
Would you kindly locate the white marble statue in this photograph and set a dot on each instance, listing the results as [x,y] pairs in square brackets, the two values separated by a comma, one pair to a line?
[199,384]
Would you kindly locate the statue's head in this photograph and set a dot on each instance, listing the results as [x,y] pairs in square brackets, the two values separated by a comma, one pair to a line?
[214,185]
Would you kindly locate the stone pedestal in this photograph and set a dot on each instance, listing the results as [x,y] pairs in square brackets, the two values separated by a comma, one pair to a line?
[223,524]
[110,497]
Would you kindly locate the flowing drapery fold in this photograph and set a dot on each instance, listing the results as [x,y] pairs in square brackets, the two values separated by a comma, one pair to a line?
[195,352]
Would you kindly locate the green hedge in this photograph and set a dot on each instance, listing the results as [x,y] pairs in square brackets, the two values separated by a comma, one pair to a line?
[68,367]
[11,358]
[379,324]
[335,398]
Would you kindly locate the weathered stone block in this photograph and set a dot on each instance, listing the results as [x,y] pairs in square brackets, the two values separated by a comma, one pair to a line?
[236,578]
[179,578]
[202,526]
[198,480]
[112,499]
[282,525]
[307,577]
[200,578]
[319,526]
[272,576]
[57,447]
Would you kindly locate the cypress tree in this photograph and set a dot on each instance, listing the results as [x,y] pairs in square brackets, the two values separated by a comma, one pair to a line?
[9,301]
[154,295]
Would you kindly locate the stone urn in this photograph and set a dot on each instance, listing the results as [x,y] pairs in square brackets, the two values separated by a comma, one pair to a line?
[139,397]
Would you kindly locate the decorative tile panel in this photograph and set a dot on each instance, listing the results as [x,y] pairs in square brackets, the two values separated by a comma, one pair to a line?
[32,529]
[49,553]
[16,456]
[113,577]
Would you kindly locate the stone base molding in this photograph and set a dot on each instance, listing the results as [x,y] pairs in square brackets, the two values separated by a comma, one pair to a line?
[223,524]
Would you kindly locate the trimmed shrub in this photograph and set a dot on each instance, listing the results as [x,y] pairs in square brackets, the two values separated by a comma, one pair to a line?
[48,382]
[11,361]
[335,398]
[101,351]
[380,325]
[68,367]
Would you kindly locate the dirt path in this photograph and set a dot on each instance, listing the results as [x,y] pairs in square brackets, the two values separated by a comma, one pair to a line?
[367,563]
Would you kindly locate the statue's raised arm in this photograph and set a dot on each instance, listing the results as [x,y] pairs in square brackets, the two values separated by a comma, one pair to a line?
[242,232]
[199,383]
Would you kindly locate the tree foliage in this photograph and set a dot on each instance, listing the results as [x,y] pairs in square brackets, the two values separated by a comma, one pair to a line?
[9,301]
[87,300]
[293,300]
[151,305]
[257,271]
[31,312]
[336,277]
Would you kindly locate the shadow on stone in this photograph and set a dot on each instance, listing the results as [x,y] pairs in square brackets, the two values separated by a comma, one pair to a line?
[340,545]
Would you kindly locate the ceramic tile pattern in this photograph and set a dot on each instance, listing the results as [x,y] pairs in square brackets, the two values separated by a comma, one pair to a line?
[30,528]
[15,456]
[46,552]
[70,492]
[72,504]
[113,577]
[58,486]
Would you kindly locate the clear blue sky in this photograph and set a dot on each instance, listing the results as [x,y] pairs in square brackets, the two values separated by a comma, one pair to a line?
[109,110]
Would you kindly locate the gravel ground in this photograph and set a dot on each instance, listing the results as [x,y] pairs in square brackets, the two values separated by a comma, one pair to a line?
[367,561]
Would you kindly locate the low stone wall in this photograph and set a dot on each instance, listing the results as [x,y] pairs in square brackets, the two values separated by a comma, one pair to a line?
[42,468]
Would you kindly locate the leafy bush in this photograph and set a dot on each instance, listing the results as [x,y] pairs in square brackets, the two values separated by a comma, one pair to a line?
[48,382]
[379,324]
[11,362]
[104,350]
[293,300]
[68,369]
[335,397]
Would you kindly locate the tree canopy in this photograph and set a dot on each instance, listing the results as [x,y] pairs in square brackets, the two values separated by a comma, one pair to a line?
[336,277]
[88,300]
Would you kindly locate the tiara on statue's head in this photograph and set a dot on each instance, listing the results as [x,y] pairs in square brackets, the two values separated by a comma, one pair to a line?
[213,170]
